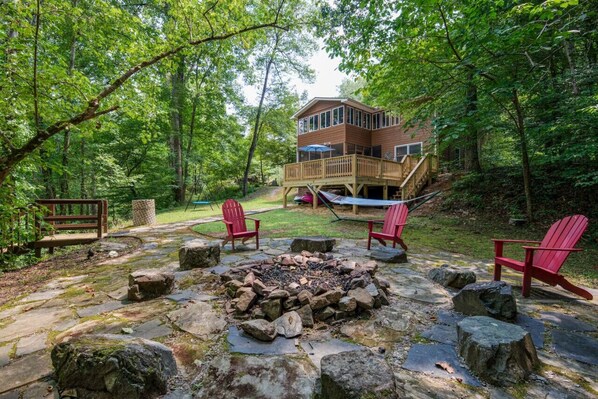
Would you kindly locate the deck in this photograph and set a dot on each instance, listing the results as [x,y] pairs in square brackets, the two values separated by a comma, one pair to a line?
[357,172]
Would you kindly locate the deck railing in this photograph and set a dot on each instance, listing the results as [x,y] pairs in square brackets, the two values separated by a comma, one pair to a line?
[349,166]
[420,174]
[18,229]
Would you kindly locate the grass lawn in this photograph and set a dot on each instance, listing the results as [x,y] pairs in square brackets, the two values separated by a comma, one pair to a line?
[467,236]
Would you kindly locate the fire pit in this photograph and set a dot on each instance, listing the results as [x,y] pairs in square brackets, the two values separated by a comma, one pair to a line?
[314,285]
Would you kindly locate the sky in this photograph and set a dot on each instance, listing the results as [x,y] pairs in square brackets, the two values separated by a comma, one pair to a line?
[326,83]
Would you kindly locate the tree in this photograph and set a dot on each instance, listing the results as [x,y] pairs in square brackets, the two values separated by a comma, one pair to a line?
[51,101]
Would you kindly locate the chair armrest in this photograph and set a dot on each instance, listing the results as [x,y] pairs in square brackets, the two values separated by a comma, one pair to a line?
[227,222]
[256,222]
[516,241]
[551,249]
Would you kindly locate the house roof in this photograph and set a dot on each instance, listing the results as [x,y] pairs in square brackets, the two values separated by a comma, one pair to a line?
[342,100]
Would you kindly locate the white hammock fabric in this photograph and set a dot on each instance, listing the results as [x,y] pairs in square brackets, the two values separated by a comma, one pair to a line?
[341,200]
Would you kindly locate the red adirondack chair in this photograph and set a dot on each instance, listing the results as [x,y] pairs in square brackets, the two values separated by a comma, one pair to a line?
[544,261]
[394,221]
[234,218]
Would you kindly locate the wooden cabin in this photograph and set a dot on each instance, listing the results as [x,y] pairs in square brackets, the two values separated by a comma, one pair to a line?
[371,150]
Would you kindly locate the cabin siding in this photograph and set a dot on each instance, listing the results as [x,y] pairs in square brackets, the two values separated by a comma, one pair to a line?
[319,107]
[357,135]
[392,136]
[330,135]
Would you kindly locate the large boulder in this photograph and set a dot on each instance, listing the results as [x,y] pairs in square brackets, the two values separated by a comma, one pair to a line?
[110,366]
[498,352]
[145,285]
[313,244]
[199,253]
[364,299]
[356,375]
[494,299]
[454,277]
[389,255]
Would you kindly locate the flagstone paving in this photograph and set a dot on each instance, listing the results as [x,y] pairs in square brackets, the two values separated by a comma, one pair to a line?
[415,332]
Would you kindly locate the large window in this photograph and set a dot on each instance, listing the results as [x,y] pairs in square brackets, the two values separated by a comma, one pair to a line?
[350,115]
[313,123]
[325,120]
[408,149]
[302,126]
[367,118]
[358,117]
[337,116]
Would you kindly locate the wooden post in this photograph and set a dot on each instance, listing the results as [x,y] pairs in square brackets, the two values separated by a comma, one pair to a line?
[366,192]
[354,166]
[355,207]
[284,197]
[385,192]
[100,210]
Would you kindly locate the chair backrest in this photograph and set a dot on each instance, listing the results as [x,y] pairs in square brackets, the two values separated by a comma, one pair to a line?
[232,212]
[395,214]
[564,233]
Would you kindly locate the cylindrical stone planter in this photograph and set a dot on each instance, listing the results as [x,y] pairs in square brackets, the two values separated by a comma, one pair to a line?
[144,212]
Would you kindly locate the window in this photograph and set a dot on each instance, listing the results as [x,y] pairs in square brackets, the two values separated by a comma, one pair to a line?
[384,120]
[325,120]
[408,149]
[350,115]
[367,119]
[358,117]
[302,126]
[337,116]
[376,121]
[313,123]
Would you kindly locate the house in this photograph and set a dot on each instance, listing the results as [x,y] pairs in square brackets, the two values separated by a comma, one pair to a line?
[371,150]
[351,127]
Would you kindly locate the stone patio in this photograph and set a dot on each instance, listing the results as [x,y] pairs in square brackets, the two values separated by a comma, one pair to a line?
[414,333]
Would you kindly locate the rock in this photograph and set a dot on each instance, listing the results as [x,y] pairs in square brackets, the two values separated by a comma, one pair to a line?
[249,279]
[289,325]
[356,375]
[289,302]
[258,287]
[370,266]
[340,315]
[199,319]
[347,304]
[347,266]
[272,308]
[245,301]
[293,288]
[325,314]
[494,299]
[242,291]
[358,282]
[232,286]
[389,255]
[381,283]
[307,254]
[113,254]
[108,366]
[279,294]
[259,329]
[258,313]
[313,244]
[328,298]
[145,285]
[363,298]
[498,352]
[199,253]
[304,297]
[307,316]
[383,298]
[371,288]
[448,276]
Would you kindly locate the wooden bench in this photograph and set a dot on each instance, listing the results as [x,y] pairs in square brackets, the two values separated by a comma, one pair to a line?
[59,220]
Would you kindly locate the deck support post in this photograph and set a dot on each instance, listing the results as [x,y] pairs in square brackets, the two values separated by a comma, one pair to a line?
[356,189]
[366,191]
[285,192]
[385,192]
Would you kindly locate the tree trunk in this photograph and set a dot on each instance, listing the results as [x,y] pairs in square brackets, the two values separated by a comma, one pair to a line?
[255,136]
[176,127]
[524,154]
[472,157]
[568,53]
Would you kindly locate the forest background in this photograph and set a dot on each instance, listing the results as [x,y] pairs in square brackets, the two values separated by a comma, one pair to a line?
[123,100]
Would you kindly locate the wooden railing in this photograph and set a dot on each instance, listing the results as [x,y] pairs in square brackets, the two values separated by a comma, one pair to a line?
[59,216]
[422,173]
[349,166]
[19,229]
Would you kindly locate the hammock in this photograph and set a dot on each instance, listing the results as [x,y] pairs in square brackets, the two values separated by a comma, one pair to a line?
[341,200]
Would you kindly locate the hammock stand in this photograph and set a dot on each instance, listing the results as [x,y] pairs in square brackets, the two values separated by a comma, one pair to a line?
[370,202]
